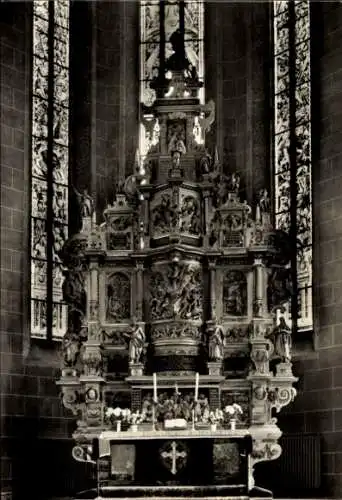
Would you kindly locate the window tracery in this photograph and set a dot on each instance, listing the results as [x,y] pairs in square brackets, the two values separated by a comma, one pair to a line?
[169,15]
[49,168]
[292,145]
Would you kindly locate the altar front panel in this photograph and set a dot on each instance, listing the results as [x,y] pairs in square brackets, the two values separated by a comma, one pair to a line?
[166,462]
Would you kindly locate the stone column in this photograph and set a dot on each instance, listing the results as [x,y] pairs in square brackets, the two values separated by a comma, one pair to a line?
[259,290]
[139,276]
[212,284]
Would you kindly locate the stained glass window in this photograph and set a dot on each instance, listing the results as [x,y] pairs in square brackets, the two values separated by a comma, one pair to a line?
[49,171]
[158,20]
[292,145]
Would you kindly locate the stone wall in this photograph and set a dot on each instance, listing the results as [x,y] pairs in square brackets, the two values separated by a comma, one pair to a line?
[318,407]
[237,73]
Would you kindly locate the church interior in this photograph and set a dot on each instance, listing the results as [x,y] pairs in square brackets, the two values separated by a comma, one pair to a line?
[171,249]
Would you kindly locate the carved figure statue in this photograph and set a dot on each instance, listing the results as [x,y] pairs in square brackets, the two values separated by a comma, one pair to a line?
[205,163]
[234,182]
[178,60]
[176,148]
[279,289]
[216,344]
[191,75]
[188,294]
[70,348]
[73,290]
[136,344]
[283,340]
[235,293]
[264,201]
[86,203]
[190,215]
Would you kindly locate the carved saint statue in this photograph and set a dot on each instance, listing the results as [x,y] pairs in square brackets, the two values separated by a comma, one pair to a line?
[190,215]
[70,348]
[264,201]
[205,163]
[136,344]
[216,344]
[86,203]
[178,60]
[235,293]
[283,340]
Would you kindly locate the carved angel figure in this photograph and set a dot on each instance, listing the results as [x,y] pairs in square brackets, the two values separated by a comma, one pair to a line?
[216,344]
[136,344]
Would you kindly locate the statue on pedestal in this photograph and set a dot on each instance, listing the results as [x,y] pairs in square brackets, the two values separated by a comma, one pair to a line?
[86,203]
[216,344]
[136,344]
[178,60]
[70,348]
[283,340]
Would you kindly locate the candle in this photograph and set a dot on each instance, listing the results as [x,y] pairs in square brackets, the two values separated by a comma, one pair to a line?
[176,388]
[155,387]
[196,386]
[193,419]
[153,417]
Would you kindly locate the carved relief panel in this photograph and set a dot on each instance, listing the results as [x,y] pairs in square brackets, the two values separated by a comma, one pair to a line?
[116,300]
[163,214]
[234,294]
[175,291]
[190,212]
[119,225]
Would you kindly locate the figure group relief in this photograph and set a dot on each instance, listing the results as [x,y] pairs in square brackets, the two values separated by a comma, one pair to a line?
[176,292]
[234,293]
[118,297]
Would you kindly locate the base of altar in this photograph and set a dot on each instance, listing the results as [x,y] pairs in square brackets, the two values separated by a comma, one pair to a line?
[175,493]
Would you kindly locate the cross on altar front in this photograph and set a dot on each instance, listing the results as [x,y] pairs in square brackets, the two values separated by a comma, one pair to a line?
[174,455]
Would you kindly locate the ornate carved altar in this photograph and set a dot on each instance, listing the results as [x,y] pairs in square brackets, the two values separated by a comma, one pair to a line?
[181,278]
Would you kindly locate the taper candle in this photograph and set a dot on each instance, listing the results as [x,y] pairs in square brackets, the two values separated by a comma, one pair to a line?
[196,386]
[155,387]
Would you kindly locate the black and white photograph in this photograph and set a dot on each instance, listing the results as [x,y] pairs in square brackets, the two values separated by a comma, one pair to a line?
[171,249]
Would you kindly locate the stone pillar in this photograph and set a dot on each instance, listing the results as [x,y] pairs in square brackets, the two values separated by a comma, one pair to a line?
[259,290]
[139,277]
[212,285]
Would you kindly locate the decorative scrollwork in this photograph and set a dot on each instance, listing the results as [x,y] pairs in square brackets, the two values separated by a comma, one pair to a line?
[83,453]
[175,331]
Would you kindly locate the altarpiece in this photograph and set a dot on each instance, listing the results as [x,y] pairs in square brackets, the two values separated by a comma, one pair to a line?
[176,355]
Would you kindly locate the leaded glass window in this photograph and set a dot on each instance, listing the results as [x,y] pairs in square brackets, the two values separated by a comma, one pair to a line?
[49,170]
[292,146]
[158,20]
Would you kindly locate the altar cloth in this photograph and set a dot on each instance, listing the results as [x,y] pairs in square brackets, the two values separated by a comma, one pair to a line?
[106,437]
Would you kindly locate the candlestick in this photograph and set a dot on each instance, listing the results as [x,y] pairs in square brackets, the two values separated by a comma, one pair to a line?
[196,386]
[155,387]
[193,419]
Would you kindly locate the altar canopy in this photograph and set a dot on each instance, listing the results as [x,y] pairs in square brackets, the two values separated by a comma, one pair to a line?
[176,353]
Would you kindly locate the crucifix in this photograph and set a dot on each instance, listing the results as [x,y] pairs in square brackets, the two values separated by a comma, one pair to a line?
[174,455]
